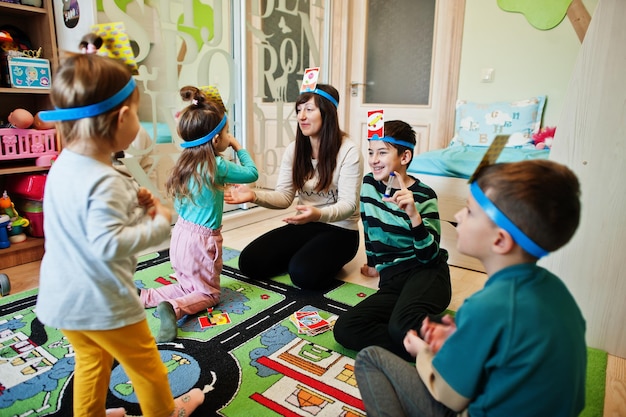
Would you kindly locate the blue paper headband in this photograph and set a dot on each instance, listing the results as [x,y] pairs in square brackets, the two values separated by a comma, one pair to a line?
[75,113]
[208,137]
[395,141]
[323,94]
[502,221]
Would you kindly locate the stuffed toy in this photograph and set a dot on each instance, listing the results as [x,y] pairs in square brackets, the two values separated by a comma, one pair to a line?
[544,138]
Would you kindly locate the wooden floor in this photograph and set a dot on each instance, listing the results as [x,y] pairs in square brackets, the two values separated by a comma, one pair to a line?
[464,283]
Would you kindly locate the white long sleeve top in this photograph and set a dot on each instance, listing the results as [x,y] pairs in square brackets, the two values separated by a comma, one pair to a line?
[94,227]
[339,204]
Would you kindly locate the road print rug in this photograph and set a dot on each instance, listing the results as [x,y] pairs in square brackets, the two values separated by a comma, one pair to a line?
[246,353]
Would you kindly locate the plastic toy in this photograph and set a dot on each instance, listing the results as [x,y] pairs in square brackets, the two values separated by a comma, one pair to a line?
[4,234]
[21,118]
[544,138]
[5,285]
[17,222]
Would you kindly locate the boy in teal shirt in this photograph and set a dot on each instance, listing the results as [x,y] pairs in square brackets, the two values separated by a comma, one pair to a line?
[518,345]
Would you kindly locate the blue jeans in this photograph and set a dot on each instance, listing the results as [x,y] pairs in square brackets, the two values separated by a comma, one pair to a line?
[391,387]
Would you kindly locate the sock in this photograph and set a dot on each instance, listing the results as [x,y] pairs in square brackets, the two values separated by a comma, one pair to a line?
[168,329]
[116,412]
[188,402]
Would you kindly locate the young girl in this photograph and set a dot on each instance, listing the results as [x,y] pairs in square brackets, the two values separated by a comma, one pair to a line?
[96,221]
[197,186]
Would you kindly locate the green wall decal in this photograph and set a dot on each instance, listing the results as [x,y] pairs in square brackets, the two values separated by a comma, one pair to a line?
[542,14]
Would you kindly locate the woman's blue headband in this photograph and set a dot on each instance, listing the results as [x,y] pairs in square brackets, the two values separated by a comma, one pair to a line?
[502,221]
[75,113]
[323,94]
[208,137]
[395,141]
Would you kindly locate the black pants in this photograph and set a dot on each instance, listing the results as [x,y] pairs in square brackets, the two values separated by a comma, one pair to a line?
[401,304]
[311,253]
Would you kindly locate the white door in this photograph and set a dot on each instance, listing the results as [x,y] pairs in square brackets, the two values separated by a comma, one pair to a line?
[404,59]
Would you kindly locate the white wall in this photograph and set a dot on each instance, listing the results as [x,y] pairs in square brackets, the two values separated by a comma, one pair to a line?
[527,61]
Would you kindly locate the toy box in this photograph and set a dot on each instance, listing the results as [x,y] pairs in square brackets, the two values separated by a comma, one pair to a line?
[40,145]
[28,186]
[29,72]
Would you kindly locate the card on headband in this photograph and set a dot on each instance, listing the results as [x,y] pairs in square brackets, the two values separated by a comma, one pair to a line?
[213,93]
[375,124]
[115,43]
[309,81]
[492,154]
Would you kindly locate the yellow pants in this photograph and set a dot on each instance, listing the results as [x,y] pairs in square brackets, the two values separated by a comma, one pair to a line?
[134,348]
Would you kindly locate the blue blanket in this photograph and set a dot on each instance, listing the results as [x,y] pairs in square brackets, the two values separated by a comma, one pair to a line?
[461,161]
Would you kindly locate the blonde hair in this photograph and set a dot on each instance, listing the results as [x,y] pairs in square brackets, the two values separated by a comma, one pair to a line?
[197,163]
[84,79]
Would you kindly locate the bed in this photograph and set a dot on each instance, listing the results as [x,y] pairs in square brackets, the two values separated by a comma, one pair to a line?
[447,170]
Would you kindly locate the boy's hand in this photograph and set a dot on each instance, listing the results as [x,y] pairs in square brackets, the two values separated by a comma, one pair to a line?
[435,334]
[238,193]
[413,343]
[403,198]
[369,271]
[305,214]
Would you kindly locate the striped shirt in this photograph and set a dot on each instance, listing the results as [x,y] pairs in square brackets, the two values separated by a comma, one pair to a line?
[391,243]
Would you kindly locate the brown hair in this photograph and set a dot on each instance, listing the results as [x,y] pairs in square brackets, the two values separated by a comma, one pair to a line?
[403,131]
[88,79]
[331,138]
[198,163]
[541,197]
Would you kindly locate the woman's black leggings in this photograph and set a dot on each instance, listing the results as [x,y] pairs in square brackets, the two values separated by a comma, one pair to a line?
[312,254]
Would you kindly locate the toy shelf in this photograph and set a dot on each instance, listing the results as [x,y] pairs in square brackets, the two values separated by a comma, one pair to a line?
[30,250]
[38,25]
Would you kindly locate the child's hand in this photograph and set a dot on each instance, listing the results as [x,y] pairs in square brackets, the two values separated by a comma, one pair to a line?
[435,334]
[304,215]
[159,208]
[413,343]
[234,143]
[369,271]
[238,193]
[146,200]
[144,196]
[403,198]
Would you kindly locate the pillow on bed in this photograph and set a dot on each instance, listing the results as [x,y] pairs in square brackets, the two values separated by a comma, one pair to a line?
[478,124]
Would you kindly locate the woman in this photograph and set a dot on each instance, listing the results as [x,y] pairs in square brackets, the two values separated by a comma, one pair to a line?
[324,168]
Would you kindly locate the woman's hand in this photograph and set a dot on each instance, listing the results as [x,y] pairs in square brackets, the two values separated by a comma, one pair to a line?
[238,193]
[305,214]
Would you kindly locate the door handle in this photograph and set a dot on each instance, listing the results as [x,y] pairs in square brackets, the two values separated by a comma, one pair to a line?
[354,87]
